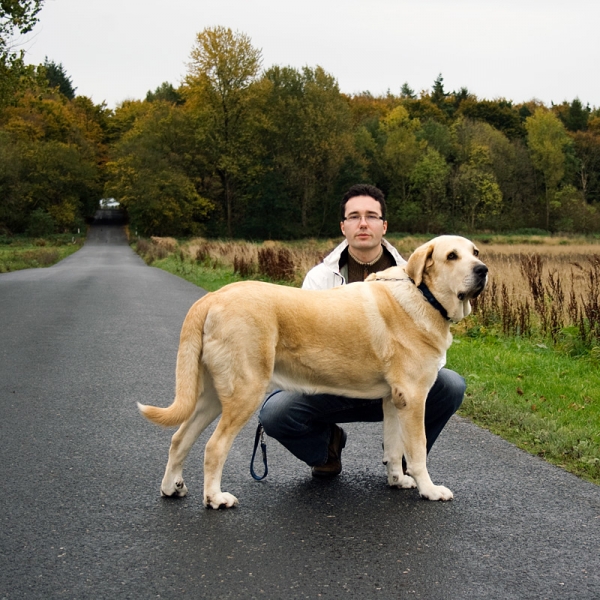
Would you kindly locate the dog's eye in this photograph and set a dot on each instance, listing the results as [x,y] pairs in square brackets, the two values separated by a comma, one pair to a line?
[475,252]
[452,256]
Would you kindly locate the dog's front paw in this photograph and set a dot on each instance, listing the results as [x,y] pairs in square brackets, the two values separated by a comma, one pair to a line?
[436,492]
[397,478]
[400,480]
[220,500]
[174,489]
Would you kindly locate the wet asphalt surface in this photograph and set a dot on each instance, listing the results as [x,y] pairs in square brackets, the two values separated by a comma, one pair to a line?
[81,515]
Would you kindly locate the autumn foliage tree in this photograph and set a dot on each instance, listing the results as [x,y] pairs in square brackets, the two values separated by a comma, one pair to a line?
[149,172]
[55,149]
[17,17]
[306,137]
[220,94]
[547,141]
[238,151]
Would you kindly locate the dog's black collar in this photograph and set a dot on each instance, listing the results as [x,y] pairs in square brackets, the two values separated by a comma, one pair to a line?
[433,301]
[426,292]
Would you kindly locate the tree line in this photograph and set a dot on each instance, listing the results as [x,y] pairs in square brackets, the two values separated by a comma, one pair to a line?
[241,151]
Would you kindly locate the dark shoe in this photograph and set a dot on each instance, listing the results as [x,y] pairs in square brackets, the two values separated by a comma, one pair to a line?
[333,466]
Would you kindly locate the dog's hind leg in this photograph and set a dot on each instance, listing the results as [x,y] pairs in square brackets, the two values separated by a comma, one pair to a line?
[237,410]
[207,410]
[393,450]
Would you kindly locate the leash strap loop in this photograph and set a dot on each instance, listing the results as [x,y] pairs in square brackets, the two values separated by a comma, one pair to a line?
[259,437]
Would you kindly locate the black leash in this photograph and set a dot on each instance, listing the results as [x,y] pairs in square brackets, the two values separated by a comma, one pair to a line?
[260,436]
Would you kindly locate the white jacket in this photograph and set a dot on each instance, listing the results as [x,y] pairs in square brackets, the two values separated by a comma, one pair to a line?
[326,275]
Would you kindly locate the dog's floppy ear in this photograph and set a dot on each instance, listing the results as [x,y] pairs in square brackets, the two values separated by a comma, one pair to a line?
[419,260]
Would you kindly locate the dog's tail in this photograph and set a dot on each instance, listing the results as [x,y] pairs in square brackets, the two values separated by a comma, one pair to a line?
[189,380]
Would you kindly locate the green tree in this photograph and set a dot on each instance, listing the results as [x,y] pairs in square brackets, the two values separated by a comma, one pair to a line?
[307,137]
[56,149]
[424,109]
[570,213]
[547,141]
[407,92]
[438,136]
[587,150]
[57,178]
[447,102]
[500,114]
[13,208]
[124,118]
[400,152]
[438,94]
[159,200]
[150,173]
[57,78]
[429,178]
[219,89]
[165,91]
[574,116]
[469,134]
[40,224]
[476,187]
[510,164]
[367,110]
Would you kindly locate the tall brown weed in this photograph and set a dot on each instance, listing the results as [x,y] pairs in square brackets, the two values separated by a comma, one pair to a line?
[552,296]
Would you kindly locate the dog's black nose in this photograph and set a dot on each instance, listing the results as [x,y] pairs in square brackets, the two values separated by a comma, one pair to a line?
[481,270]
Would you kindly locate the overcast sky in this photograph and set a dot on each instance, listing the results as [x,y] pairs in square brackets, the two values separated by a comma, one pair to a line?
[517,49]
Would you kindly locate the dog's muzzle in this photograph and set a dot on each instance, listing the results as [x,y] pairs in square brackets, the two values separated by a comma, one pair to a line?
[478,283]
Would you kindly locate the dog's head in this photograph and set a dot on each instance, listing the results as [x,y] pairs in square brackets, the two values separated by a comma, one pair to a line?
[449,266]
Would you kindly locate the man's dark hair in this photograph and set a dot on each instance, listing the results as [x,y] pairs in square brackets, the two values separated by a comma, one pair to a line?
[363,189]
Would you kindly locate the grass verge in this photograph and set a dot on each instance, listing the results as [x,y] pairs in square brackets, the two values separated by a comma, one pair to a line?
[211,277]
[541,400]
[17,253]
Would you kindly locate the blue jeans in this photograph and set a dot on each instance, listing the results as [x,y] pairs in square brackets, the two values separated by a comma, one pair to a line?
[302,422]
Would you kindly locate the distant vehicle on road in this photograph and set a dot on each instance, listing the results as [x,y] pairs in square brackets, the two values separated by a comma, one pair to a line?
[109,203]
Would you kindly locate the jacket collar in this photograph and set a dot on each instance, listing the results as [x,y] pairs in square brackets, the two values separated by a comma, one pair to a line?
[332,260]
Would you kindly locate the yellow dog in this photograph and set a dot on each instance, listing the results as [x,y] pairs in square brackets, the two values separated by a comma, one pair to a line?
[387,335]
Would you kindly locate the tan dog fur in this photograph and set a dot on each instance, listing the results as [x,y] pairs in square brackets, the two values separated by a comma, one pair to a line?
[249,337]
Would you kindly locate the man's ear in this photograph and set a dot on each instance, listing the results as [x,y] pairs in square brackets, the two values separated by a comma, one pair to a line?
[419,260]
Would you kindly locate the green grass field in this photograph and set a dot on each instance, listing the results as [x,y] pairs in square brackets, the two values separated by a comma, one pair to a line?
[17,253]
[542,400]
[205,276]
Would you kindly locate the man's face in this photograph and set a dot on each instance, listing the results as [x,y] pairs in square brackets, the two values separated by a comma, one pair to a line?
[365,233]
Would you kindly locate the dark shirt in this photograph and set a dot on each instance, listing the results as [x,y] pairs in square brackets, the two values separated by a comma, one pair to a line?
[358,271]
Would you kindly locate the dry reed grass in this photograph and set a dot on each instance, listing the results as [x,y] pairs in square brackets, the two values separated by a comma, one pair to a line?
[274,260]
[551,289]
[535,288]
[168,243]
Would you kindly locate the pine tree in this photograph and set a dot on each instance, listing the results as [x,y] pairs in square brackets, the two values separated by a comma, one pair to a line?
[57,78]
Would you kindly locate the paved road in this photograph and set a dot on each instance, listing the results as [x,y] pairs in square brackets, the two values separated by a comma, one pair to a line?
[80,510]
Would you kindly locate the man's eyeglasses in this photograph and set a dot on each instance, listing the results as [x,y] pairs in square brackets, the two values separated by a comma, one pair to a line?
[370,219]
